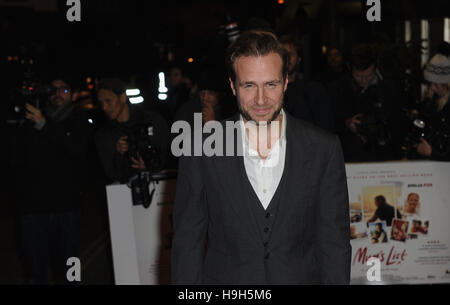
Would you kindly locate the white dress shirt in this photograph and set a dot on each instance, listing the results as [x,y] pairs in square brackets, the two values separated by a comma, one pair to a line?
[265,175]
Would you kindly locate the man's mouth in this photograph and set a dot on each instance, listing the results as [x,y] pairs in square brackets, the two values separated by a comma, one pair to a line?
[261,111]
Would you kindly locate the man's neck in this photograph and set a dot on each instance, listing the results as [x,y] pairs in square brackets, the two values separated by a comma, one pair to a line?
[124,116]
[262,137]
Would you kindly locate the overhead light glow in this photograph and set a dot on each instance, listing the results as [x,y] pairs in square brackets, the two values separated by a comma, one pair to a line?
[133,92]
[447,29]
[162,83]
[136,100]
[162,96]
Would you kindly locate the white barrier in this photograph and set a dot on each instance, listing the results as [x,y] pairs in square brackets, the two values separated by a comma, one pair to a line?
[141,238]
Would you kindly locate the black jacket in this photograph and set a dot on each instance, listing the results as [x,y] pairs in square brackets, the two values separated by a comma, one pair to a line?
[309,101]
[52,163]
[118,167]
[310,240]
[381,105]
[440,142]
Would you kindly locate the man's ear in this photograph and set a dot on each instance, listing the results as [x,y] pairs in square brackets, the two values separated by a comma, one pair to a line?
[232,86]
[286,81]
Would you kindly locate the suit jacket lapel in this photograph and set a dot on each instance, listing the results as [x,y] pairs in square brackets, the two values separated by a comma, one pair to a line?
[297,167]
[234,180]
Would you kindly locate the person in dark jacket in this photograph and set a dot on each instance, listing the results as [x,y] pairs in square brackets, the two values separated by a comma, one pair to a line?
[52,169]
[306,100]
[212,99]
[367,109]
[113,139]
[437,73]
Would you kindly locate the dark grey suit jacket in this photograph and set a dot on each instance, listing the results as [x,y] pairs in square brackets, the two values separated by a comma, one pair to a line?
[216,238]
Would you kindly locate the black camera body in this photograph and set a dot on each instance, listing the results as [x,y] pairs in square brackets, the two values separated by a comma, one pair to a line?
[374,126]
[31,92]
[435,131]
[141,143]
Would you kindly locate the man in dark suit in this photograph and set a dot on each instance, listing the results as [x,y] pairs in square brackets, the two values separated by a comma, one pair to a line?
[274,212]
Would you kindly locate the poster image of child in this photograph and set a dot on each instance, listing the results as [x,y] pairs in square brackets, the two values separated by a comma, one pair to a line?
[399,230]
[378,232]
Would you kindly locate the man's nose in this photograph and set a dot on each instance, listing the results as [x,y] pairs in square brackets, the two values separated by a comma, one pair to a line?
[260,96]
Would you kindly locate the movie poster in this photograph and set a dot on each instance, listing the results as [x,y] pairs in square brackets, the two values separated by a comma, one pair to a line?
[399,213]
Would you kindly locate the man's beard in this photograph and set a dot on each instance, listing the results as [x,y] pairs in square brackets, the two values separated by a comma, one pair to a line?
[248,117]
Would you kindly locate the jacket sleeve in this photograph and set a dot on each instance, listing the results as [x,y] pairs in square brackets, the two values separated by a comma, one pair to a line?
[69,138]
[115,165]
[190,224]
[333,249]
[321,107]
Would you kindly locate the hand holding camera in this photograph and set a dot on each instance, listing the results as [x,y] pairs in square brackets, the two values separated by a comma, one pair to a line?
[138,163]
[34,114]
[351,122]
[122,145]
[424,148]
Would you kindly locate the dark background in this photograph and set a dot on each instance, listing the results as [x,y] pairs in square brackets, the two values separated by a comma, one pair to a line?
[132,39]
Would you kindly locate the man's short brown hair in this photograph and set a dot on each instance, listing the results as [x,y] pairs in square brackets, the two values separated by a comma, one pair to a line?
[255,43]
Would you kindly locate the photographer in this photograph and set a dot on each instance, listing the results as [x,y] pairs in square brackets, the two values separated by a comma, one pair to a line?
[436,109]
[367,110]
[113,139]
[306,100]
[50,153]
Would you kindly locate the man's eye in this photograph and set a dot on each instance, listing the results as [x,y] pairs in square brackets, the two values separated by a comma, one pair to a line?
[271,85]
[248,86]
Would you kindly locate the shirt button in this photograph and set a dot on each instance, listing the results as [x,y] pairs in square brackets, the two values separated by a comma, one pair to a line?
[265,244]
[267,256]
[266,229]
[268,215]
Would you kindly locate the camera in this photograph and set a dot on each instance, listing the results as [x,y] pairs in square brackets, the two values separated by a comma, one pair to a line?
[141,143]
[31,92]
[374,126]
[436,132]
